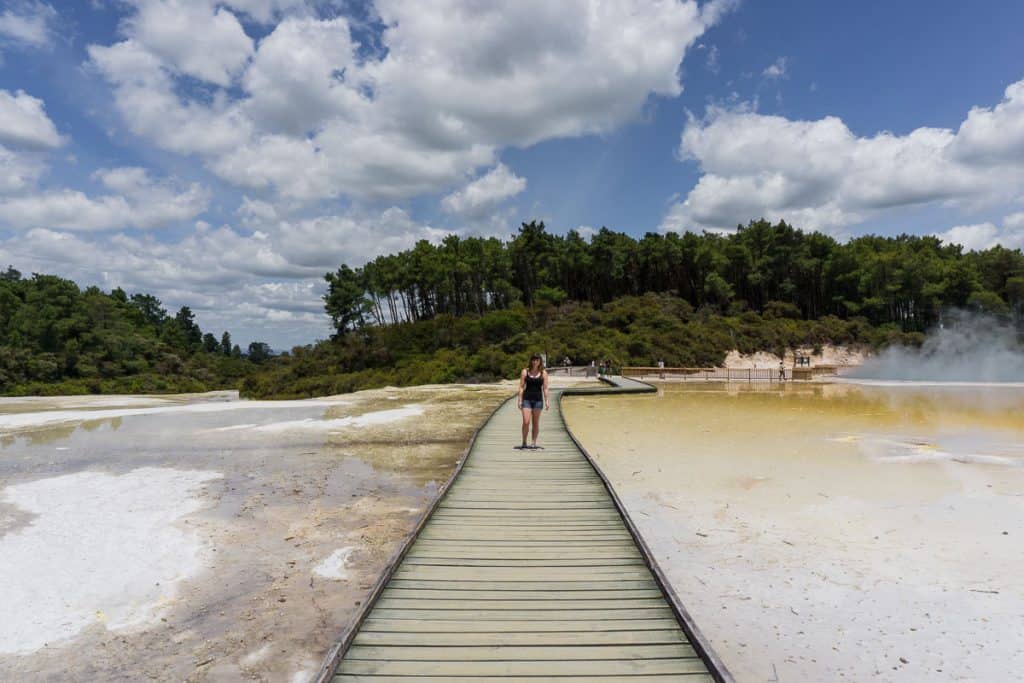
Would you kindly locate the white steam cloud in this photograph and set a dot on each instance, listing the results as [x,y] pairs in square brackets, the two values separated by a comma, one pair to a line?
[967,348]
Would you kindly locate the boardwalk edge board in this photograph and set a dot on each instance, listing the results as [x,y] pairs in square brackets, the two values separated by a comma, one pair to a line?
[675,612]
[334,656]
[700,643]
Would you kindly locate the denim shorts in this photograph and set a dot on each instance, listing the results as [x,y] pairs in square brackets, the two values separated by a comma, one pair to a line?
[532,404]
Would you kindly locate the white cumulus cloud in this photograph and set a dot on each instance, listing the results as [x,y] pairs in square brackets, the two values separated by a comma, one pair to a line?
[265,11]
[23,121]
[314,122]
[994,136]
[777,69]
[295,80]
[193,37]
[484,194]
[1015,221]
[819,174]
[139,202]
[987,235]
[146,97]
[18,172]
[27,23]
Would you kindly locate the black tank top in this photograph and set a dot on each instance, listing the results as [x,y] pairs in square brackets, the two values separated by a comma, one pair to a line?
[533,388]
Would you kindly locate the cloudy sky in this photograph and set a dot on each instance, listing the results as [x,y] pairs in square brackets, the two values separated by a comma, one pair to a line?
[225,154]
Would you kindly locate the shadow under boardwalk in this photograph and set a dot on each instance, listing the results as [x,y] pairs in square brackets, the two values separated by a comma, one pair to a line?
[527,570]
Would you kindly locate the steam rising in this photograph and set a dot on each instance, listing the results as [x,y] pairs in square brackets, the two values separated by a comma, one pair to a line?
[970,348]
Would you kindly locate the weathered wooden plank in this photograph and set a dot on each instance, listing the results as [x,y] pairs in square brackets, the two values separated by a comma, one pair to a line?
[584,625]
[494,470]
[522,551]
[589,638]
[568,501]
[627,602]
[659,612]
[537,653]
[397,591]
[582,574]
[613,562]
[525,505]
[585,528]
[516,521]
[504,488]
[555,557]
[532,488]
[640,678]
[580,530]
[507,538]
[513,586]
[505,533]
[512,517]
[566,541]
[618,667]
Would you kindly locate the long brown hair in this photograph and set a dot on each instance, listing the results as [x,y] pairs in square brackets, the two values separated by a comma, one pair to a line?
[540,363]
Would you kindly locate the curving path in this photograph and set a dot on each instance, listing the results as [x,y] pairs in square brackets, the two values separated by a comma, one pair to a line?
[526,569]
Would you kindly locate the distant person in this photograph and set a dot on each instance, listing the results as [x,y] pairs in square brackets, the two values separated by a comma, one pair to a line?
[782,371]
[661,369]
[533,397]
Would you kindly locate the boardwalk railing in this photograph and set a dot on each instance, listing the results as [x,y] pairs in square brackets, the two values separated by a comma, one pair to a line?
[730,374]
[712,374]
[526,568]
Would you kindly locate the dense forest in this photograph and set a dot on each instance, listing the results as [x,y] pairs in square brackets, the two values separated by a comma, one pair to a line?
[56,338]
[473,308]
[905,280]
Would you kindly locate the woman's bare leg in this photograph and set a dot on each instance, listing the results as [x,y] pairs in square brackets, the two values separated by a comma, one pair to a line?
[536,425]
[526,423]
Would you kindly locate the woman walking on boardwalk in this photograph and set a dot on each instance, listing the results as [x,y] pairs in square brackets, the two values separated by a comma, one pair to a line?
[533,396]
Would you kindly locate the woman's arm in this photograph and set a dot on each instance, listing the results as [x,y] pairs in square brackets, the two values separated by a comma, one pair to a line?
[522,387]
[547,404]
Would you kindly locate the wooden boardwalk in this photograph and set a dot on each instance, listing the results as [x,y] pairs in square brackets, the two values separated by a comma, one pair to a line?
[526,570]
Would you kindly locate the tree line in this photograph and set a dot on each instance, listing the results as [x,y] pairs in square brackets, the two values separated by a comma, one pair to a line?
[763,267]
[56,337]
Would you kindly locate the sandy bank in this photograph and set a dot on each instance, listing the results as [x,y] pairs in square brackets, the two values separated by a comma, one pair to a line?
[839,356]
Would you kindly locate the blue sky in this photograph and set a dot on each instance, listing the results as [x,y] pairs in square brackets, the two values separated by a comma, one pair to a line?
[225,154]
